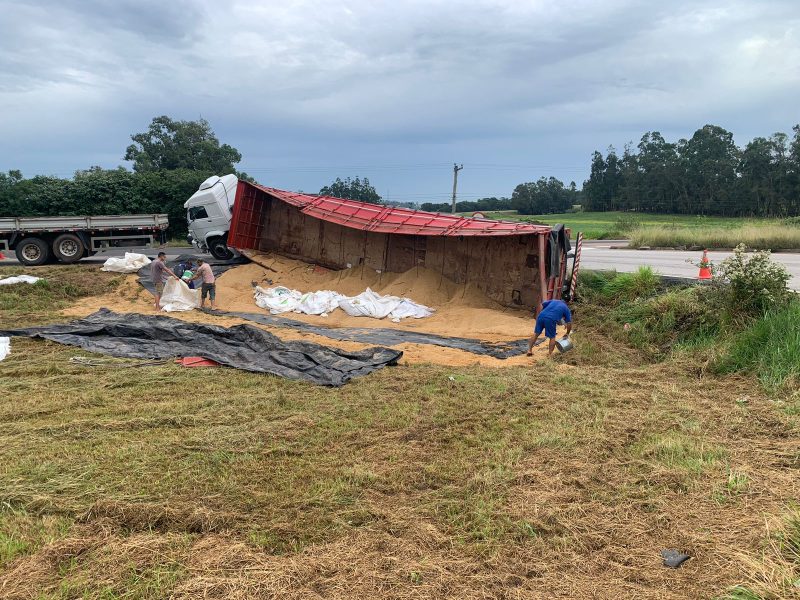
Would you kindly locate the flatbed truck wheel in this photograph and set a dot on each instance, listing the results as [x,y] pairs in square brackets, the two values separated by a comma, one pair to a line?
[32,252]
[68,248]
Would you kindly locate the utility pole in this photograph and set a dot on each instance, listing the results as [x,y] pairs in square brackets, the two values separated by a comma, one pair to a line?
[456,169]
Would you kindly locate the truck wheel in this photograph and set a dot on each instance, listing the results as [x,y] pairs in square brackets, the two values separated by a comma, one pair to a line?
[219,250]
[68,248]
[32,252]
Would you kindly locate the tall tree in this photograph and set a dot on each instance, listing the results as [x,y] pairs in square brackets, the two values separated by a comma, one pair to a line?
[547,195]
[168,144]
[712,159]
[354,189]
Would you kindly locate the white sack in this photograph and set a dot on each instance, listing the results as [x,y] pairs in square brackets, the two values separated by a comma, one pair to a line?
[281,299]
[5,347]
[408,308]
[178,297]
[19,279]
[318,303]
[370,304]
[277,300]
[131,263]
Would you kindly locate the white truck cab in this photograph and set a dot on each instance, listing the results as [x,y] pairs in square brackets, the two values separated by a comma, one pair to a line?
[209,212]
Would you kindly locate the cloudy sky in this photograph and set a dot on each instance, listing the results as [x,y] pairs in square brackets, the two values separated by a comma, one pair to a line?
[395,91]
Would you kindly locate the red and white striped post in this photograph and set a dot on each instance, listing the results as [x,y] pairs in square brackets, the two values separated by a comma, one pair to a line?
[576,265]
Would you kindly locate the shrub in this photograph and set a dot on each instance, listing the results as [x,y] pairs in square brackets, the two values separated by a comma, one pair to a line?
[792,221]
[749,286]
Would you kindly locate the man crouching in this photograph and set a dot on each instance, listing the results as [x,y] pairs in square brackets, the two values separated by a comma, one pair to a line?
[551,313]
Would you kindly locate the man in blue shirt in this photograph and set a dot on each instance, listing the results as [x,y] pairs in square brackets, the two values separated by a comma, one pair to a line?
[549,316]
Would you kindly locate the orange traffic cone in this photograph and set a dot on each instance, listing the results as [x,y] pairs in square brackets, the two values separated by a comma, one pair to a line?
[705,267]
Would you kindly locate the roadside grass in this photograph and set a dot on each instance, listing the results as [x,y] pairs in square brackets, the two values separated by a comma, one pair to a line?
[769,348]
[60,286]
[619,225]
[776,236]
[697,322]
[560,478]
[775,571]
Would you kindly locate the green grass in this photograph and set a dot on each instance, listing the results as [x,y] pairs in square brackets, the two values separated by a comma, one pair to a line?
[59,287]
[617,225]
[675,449]
[630,286]
[769,348]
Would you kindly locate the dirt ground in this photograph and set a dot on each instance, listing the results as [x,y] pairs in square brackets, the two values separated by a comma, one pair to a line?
[461,311]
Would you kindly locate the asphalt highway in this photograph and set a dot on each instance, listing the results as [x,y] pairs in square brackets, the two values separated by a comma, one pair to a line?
[599,255]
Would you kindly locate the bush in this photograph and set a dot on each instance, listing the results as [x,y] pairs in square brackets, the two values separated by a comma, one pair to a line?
[749,286]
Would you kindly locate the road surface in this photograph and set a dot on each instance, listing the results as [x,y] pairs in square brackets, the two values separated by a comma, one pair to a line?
[599,255]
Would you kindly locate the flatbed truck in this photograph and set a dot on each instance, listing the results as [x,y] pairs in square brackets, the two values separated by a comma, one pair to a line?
[38,240]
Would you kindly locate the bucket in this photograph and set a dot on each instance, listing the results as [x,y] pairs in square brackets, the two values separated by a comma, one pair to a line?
[564,345]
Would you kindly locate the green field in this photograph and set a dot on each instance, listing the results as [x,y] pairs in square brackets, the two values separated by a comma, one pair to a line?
[618,225]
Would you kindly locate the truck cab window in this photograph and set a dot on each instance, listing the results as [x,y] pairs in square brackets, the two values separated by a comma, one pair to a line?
[197,212]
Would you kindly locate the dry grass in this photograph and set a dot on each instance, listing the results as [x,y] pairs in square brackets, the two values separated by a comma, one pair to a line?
[774,237]
[558,480]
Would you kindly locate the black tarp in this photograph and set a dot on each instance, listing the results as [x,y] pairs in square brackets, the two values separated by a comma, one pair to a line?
[218,267]
[557,244]
[242,346]
[386,336]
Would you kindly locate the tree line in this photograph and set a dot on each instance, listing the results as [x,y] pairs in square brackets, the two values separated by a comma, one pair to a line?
[170,161]
[547,195]
[706,174]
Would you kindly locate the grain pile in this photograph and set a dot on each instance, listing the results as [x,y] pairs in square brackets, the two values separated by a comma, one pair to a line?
[461,311]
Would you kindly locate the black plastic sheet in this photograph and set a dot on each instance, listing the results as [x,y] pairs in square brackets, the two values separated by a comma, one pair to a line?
[242,346]
[386,336]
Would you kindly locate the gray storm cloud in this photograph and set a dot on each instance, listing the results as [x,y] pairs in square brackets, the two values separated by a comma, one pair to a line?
[311,90]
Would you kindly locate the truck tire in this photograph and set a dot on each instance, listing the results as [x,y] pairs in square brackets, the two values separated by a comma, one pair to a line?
[219,250]
[32,252]
[68,248]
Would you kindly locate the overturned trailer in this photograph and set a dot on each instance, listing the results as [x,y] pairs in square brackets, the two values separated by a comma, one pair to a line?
[515,264]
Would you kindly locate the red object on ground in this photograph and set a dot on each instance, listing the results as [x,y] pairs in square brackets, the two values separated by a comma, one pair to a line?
[705,267]
[247,222]
[196,361]
[2,256]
